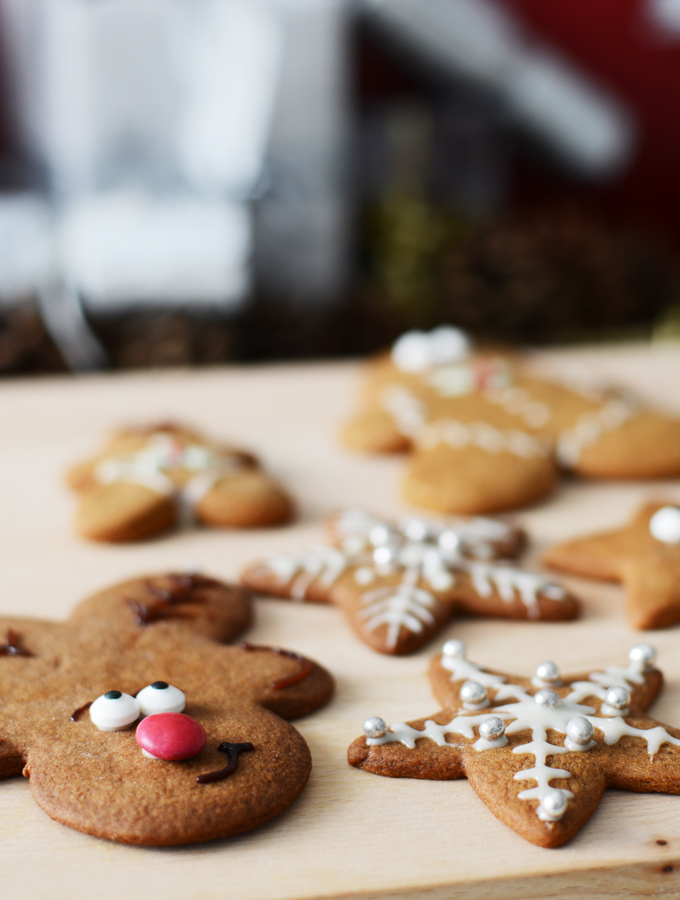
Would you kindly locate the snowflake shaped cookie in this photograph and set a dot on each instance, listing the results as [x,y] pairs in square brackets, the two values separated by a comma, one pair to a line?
[140,671]
[487,433]
[400,584]
[148,480]
[538,751]
[644,557]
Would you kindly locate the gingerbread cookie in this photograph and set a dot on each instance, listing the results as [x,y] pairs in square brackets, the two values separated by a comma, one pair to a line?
[223,760]
[538,751]
[487,433]
[399,585]
[148,480]
[644,556]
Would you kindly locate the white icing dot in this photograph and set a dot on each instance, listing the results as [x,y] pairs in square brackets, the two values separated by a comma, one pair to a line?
[364,575]
[411,352]
[665,525]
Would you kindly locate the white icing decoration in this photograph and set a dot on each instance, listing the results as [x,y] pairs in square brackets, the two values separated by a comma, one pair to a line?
[590,427]
[480,434]
[523,713]
[162,455]
[426,568]
[409,413]
[416,351]
[519,402]
[664,525]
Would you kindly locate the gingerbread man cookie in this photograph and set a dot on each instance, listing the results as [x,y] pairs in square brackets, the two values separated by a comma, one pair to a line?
[211,756]
[487,433]
[644,556]
[399,585]
[148,480]
[538,751]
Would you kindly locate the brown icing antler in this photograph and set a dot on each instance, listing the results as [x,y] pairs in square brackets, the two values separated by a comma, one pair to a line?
[538,751]
[99,781]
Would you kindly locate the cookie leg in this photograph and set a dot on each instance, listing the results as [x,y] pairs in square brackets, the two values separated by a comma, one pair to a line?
[249,499]
[122,511]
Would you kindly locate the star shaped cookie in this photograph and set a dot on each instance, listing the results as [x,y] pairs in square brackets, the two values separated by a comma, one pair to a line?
[644,557]
[539,751]
[223,758]
[149,480]
[399,585]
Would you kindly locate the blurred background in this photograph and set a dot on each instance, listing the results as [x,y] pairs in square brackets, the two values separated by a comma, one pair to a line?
[205,181]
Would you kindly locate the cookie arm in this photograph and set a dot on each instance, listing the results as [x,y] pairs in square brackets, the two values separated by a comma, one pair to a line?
[652,594]
[644,766]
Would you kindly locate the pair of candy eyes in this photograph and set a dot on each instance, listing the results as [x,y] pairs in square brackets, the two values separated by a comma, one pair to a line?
[115,710]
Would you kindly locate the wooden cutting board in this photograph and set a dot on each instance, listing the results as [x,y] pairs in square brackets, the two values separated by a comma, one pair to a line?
[350,834]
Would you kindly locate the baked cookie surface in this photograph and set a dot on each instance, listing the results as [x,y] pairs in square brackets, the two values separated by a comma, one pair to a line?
[149,480]
[539,752]
[225,759]
[399,584]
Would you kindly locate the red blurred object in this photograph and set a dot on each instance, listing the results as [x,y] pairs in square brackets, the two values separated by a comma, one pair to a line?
[622,44]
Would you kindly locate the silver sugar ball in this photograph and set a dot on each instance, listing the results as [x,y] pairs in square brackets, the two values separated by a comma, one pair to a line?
[375,727]
[580,731]
[449,541]
[492,728]
[415,529]
[384,555]
[454,648]
[554,803]
[379,535]
[548,697]
[642,655]
[472,692]
[547,671]
[617,697]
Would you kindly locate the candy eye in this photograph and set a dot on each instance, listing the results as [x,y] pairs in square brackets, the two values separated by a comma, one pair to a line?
[160,697]
[114,711]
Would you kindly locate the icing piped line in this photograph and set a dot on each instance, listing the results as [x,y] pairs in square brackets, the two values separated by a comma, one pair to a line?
[590,427]
[484,436]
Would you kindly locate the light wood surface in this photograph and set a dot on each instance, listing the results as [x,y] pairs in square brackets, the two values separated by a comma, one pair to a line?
[350,834]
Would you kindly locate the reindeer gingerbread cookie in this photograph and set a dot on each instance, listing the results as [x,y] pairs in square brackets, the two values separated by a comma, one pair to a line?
[133,723]
[400,584]
[487,433]
[539,751]
[148,480]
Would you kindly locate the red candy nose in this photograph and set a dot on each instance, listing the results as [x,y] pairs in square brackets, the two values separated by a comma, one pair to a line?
[170,736]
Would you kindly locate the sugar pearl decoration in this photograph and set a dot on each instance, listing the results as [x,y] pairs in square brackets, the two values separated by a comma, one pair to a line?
[548,672]
[580,731]
[554,804]
[665,525]
[548,697]
[375,727]
[492,728]
[642,655]
[415,529]
[617,697]
[454,649]
[449,541]
[384,555]
[473,694]
[160,697]
[114,711]
[379,535]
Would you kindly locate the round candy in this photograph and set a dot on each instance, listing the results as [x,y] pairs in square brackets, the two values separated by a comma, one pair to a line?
[473,692]
[665,525]
[454,648]
[375,727]
[642,655]
[114,711]
[580,731]
[411,353]
[448,345]
[548,671]
[384,555]
[160,697]
[554,803]
[492,728]
[548,697]
[170,736]
[617,697]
